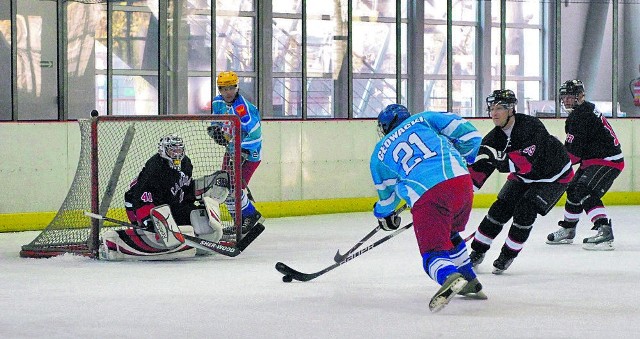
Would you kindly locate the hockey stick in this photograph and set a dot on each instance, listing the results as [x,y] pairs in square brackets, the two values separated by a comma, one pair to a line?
[470,236]
[196,242]
[339,257]
[297,275]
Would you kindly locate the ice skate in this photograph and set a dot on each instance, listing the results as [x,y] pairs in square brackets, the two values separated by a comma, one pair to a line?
[603,240]
[229,232]
[476,258]
[564,235]
[454,284]
[502,263]
[473,290]
[247,223]
[250,221]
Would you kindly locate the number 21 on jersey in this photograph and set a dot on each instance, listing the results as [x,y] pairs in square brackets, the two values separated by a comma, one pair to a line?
[404,152]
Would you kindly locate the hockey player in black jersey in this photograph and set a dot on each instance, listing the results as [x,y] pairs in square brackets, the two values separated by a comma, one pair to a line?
[591,143]
[166,179]
[539,172]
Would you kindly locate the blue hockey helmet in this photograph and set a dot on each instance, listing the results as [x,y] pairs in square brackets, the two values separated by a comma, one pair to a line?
[390,117]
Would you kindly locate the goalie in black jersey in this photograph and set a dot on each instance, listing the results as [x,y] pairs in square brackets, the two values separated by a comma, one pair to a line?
[539,172]
[591,143]
[164,192]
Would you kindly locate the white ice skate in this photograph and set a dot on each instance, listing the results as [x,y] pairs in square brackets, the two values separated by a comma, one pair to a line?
[603,241]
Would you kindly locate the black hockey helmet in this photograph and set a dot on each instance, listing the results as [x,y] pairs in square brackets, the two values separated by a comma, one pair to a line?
[570,94]
[572,87]
[504,97]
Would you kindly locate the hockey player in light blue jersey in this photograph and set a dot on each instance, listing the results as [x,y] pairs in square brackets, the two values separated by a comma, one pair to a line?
[422,159]
[229,101]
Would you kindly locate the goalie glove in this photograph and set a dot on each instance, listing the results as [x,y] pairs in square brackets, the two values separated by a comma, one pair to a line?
[244,155]
[218,135]
[390,222]
[495,158]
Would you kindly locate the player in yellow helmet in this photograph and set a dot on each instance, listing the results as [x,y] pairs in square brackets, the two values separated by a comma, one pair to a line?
[229,101]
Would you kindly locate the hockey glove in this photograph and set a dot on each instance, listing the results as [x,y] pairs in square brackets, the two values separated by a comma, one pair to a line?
[390,222]
[244,154]
[495,158]
[216,133]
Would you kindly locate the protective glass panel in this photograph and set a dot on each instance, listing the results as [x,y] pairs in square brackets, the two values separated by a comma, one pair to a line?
[83,23]
[435,95]
[36,78]
[287,6]
[464,10]
[287,45]
[5,61]
[435,52]
[372,95]
[319,94]
[374,47]
[287,98]
[589,58]
[327,32]
[234,5]
[131,36]
[135,95]
[234,43]
[200,95]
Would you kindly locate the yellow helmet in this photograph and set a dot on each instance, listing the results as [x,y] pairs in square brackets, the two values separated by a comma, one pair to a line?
[227,79]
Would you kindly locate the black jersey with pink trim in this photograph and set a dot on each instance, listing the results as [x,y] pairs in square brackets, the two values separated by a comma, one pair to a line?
[158,183]
[590,139]
[533,154]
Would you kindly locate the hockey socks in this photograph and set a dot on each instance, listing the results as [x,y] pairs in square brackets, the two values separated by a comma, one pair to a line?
[438,266]
[248,210]
[460,257]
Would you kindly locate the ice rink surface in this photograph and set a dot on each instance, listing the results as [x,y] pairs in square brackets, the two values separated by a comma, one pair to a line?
[549,291]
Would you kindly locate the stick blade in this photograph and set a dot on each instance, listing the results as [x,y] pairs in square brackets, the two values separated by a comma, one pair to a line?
[297,275]
[248,238]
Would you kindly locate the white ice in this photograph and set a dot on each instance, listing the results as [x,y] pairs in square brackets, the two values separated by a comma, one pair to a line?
[549,291]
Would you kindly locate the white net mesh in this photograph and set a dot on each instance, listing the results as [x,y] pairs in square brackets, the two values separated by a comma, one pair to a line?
[123,146]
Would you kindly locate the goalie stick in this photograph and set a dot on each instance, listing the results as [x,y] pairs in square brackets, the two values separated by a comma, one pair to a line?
[196,242]
[339,257]
[300,276]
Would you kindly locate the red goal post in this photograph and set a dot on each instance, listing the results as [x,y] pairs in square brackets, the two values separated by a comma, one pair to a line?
[113,151]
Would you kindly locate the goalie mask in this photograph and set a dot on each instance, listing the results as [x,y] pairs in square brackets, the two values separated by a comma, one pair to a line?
[391,117]
[571,94]
[171,147]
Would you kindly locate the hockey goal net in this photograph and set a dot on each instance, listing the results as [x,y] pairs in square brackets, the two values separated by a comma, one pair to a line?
[113,151]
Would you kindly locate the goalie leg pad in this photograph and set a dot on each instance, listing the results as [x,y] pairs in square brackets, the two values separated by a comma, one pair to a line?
[165,226]
[131,245]
[206,222]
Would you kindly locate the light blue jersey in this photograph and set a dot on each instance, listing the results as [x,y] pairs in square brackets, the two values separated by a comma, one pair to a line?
[425,150]
[250,127]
